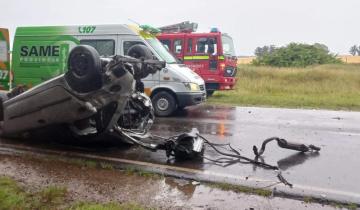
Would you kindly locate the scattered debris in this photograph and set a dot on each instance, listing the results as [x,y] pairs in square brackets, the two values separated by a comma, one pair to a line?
[285,144]
[283,180]
[181,182]
[195,183]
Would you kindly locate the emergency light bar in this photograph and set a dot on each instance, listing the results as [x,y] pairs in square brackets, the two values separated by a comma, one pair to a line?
[150,29]
[214,30]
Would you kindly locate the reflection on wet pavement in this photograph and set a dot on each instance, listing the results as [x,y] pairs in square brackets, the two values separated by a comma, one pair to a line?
[244,127]
[295,159]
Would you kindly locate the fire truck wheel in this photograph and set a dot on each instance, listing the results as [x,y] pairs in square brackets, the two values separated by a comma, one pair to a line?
[84,69]
[164,104]
[139,51]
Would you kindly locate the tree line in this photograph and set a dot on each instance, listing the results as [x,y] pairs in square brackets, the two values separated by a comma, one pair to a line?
[354,50]
[294,55]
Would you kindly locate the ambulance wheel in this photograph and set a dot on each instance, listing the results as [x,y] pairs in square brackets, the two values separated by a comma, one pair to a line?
[164,104]
[84,69]
[140,51]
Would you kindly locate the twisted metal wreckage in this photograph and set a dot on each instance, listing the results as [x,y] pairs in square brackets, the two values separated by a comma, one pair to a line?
[104,95]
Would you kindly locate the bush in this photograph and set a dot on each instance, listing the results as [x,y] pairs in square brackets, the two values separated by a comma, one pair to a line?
[297,55]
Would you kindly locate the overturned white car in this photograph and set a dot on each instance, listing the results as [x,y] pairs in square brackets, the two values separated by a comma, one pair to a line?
[97,95]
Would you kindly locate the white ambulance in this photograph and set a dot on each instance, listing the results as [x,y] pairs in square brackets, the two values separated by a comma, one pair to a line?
[40,53]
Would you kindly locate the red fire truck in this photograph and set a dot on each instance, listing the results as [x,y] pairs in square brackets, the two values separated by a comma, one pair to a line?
[211,55]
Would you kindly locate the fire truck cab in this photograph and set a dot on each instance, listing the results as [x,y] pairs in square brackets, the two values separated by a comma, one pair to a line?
[211,55]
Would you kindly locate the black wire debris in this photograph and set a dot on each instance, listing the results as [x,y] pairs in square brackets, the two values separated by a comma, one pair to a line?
[191,145]
[233,156]
[287,145]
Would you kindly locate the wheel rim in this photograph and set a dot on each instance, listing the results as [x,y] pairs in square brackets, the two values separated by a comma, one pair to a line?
[162,104]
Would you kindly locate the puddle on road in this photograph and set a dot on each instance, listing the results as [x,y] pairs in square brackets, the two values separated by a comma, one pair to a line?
[99,185]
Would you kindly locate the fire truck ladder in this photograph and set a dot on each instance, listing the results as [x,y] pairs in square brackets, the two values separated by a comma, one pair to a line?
[186,27]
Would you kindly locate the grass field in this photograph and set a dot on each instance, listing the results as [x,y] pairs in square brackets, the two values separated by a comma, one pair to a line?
[344,58]
[349,58]
[335,86]
[245,60]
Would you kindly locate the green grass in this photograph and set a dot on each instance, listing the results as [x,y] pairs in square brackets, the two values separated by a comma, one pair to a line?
[83,163]
[109,206]
[335,86]
[138,172]
[12,196]
[107,166]
[15,197]
[241,189]
[352,206]
[308,199]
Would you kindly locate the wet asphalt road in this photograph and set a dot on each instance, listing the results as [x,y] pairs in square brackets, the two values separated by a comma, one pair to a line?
[334,170]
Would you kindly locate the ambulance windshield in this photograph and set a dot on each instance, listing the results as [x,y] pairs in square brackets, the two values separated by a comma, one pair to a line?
[161,50]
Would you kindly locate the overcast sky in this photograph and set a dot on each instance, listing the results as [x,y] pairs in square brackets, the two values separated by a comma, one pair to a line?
[251,23]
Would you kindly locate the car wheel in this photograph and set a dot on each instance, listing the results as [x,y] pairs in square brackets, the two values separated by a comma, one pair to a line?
[139,51]
[164,104]
[84,69]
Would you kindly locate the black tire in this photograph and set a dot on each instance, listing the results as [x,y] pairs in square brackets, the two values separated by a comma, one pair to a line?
[209,93]
[140,52]
[164,104]
[84,69]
